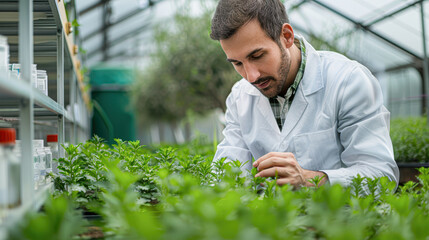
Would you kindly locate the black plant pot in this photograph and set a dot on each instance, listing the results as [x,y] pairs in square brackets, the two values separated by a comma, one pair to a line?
[91,216]
[409,171]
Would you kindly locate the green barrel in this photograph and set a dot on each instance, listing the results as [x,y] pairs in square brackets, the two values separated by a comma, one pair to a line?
[113,116]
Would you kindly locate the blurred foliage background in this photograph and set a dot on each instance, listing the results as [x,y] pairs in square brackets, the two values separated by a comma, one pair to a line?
[188,73]
[410,139]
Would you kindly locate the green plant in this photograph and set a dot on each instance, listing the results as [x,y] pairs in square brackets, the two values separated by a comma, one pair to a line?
[316,180]
[173,193]
[71,169]
[75,26]
[57,220]
[410,139]
[82,171]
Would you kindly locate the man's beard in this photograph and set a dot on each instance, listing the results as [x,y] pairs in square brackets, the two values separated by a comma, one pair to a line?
[280,83]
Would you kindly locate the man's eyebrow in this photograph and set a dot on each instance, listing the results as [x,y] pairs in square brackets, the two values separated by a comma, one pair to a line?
[248,55]
[231,60]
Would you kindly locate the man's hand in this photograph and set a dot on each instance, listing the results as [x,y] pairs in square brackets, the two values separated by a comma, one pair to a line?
[286,168]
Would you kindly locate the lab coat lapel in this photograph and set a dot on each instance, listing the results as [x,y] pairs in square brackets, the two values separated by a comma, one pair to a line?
[310,84]
[295,113]
[264,109]
[267,113]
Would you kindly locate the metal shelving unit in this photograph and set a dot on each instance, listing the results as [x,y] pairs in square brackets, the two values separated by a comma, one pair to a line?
[39,32]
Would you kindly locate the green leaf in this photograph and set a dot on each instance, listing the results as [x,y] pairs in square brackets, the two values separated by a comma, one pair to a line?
[75,23]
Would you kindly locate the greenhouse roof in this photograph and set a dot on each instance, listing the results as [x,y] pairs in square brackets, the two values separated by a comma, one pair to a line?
[385,35]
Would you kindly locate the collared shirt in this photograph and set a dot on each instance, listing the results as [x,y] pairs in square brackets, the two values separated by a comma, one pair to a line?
[280,105]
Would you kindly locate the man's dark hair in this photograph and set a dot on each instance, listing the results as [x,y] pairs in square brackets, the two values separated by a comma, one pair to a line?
[230,15]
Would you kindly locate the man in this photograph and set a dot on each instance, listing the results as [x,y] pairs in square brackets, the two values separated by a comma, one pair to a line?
[300,113]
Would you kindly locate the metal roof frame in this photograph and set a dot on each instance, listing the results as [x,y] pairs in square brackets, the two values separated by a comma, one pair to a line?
[367,27]
[130,34]
[120,20]
[107,24]
[388,15]
[92,7]
[420,62]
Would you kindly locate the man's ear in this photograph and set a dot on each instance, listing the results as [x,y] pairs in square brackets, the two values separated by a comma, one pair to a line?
[287,35]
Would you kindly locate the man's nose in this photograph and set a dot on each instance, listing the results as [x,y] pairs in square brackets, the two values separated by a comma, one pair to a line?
[252,73]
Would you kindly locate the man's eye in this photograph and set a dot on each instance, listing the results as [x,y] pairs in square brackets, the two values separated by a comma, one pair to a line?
[257,56]
[237,63]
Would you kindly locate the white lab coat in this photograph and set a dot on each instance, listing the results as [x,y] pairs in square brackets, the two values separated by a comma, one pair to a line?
[336,124]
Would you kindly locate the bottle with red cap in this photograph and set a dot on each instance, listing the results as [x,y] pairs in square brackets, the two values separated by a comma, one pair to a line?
[9,171]
[52,142]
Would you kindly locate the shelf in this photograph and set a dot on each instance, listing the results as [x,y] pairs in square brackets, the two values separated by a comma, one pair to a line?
[49,18]
[46,102]
[14,86]
[45,121]
[19,88]
[16,214]
[31,112]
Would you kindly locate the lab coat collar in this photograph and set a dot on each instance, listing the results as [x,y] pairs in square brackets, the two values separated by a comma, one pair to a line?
[312,80]
[251,90]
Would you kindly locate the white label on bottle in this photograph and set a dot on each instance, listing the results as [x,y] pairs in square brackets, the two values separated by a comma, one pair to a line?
[3,183]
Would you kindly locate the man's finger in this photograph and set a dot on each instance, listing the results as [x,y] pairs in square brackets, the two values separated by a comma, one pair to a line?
[288,180]
[282,161]
[269,155]
[280,172]
[263,158]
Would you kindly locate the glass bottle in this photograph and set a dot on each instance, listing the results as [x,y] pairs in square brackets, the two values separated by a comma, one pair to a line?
[42,81]
[4,54]
[48,163]
[9,172]
[39,158]
[52,142]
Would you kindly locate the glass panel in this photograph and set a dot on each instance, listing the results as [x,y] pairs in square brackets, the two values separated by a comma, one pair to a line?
[385,9]
[129,26]
[354,9]
[362,10]
[93,43]
[404,29]
[84,4]
[96,59]
[129,47]
[312,19]
[290,3]
[404,93]
[91,22]
[122,8]
[377,54]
